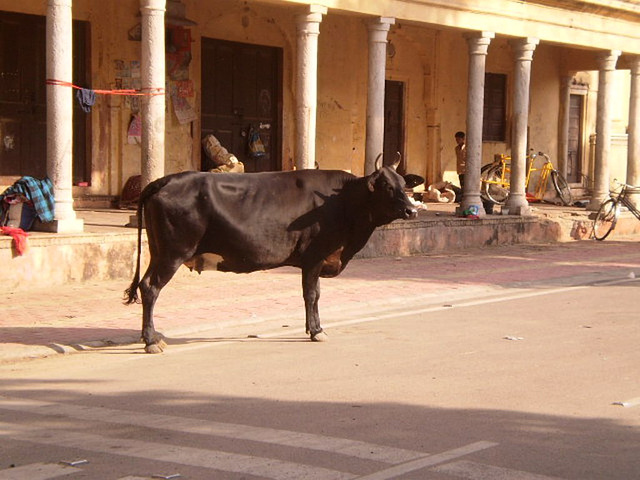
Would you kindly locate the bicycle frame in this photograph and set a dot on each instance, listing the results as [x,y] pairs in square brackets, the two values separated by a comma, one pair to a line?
[623,198]
[545,173]
[543,180]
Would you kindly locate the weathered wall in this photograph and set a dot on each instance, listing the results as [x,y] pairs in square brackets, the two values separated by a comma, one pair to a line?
[431,60]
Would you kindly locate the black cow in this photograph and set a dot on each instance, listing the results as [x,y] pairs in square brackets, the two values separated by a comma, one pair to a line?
[316,220]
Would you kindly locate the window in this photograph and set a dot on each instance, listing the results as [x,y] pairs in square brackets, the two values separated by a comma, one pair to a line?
[495,108]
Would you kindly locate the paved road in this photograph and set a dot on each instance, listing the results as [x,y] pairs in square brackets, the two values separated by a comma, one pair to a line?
[498,364]
[43,322]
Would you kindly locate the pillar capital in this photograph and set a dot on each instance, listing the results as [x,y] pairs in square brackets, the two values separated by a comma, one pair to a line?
[607,60]
[149,6]
[479,42]
[310,16]
[379,28]
[523,48]
[381,23]
[59,3]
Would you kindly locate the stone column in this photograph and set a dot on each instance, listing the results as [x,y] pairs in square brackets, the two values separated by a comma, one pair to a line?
[374,145]
[563,127]
[478,47]
[633,135]
[152,76]
[516,203]
[308,29]
[607,65]
[60,116]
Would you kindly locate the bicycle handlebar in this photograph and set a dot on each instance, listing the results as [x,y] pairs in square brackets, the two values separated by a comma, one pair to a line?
[627,185]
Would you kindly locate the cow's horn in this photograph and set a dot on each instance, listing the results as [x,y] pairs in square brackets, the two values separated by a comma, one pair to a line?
[397,162]
[378,163]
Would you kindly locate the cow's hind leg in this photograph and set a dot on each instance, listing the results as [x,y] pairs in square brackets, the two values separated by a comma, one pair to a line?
[156,277]
[311,295]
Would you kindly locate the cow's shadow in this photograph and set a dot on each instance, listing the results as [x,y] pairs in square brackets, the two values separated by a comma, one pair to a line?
[65,340]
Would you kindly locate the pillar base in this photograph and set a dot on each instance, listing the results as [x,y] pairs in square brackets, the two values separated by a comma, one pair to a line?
[521,210]
[594,204]
[70,225]
[460,209]
[133,222]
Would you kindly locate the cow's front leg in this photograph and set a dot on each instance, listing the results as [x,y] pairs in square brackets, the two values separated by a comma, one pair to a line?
[311,295]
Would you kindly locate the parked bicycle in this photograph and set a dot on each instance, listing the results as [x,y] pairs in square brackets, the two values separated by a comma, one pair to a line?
[605,220]
[496,179]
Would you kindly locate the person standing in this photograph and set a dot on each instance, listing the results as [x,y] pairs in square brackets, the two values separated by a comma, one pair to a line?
[461,159]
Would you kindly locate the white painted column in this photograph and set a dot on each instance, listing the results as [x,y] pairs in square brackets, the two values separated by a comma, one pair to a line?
[607,65]
[374,145]
[563,127]
[308,29]
[633,137]
[478,47]
[516,203]
[152,76]
[60,116]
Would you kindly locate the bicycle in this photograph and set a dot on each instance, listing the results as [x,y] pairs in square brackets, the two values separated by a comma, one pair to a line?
[496,179]
[609,212]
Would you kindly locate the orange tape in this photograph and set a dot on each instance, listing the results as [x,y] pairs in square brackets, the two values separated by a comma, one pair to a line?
[151,92]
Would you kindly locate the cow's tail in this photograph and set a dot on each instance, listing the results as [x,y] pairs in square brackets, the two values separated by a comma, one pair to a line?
[131,293]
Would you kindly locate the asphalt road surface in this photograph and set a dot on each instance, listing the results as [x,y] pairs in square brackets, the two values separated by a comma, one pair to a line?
[530,383]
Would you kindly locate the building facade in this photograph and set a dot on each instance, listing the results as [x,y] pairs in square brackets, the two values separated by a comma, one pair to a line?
[334,83]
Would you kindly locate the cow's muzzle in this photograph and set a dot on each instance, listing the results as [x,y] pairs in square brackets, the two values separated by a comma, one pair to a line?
[410,212]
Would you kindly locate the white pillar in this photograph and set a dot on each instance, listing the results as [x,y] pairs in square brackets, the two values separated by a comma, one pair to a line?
[563,127]
[60,116]
[374,145]
[152,76]
[478,47]
[516,203]
[607,65]
[308,29]
[633,133]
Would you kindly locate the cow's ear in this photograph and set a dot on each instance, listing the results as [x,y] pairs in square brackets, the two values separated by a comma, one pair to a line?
[371,181]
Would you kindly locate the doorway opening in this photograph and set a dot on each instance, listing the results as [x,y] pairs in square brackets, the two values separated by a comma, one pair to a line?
[574,153]
[23,102]
[394,124]
[242,98]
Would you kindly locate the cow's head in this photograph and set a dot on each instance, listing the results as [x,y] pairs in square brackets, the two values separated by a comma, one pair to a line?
[389,200]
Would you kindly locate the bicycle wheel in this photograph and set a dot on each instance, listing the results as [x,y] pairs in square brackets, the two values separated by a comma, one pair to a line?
[562,188]
[605,220]
[492,186]
[483,178]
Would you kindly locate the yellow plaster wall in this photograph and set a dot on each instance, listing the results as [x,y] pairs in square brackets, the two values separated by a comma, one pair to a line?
[432,62]
[342,93]
[453,71]
[544,101]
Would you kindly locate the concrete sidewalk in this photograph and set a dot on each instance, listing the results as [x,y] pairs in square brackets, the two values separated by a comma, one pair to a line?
[213,306]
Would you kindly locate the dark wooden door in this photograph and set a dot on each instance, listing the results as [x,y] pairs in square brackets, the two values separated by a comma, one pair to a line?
[23,102]
[394,123]
[574,154]
[22,95]
[241,93]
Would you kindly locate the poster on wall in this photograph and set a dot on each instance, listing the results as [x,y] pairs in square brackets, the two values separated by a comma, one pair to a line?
[181,106]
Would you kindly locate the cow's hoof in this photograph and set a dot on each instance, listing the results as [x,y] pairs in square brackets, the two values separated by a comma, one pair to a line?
[320,337]
[155,347]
